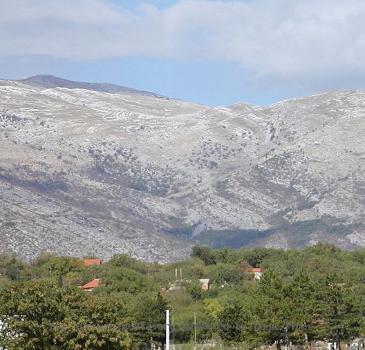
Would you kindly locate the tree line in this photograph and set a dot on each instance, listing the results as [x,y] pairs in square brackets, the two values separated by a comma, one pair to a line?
[316,293]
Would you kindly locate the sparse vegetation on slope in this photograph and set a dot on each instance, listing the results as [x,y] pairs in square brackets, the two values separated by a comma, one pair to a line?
[85,170]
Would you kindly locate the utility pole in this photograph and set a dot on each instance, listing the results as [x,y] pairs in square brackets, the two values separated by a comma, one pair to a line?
[180,274]
[167,330]
[194,330]
[172,330]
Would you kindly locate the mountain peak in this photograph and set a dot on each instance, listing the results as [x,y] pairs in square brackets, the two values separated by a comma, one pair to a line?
[50,81]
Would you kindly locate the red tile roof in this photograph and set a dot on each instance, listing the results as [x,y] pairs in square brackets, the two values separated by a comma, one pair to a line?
[92,262]
[254,269]
[92,284]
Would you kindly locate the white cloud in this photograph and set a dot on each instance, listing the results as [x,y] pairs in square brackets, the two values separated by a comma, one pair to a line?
[279,40]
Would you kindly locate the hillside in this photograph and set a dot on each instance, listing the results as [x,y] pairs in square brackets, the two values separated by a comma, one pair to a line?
[99,169]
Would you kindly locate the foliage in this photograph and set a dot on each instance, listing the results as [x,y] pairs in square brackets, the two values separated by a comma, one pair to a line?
[232,324]
[304,295]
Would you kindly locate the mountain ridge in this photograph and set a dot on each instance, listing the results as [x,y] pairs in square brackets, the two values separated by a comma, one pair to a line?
[86,171]
[51,81]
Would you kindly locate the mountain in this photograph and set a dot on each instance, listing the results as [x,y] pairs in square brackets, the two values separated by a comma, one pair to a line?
[86,171]
[49,81]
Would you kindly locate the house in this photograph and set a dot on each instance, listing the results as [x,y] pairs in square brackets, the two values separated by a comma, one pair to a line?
[204,283]
[256,271]
[92,262]
[90,286]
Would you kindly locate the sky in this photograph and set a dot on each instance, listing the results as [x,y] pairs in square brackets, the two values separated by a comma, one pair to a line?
[214,52]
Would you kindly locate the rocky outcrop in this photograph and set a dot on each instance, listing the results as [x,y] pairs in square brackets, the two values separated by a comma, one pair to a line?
[96,169]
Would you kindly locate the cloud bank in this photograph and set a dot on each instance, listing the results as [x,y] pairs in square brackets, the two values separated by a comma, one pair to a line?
[280,41]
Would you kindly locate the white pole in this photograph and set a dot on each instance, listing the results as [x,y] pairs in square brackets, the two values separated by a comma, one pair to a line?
[167,330]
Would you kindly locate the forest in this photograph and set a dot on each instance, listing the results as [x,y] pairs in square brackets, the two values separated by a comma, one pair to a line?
[303,296]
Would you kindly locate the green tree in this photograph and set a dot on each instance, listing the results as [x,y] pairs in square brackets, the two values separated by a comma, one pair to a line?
[11,266]
[29,311]
[195,290]
[95,322]
[41,315]
[150,315]
[339,309]
[302,304]
[204,253]
[272,314]
[232,324]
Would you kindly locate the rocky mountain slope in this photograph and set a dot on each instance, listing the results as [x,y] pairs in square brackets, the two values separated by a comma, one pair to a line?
[100,169]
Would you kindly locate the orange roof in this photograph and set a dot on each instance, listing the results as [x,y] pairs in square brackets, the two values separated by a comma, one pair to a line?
[254,269]
[92,284]
[92,262]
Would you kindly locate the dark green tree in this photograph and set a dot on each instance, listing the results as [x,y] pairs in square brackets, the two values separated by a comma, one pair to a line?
[232,324]
[204,253]
[339,309]
[302,303]
[272,314]
[150,316]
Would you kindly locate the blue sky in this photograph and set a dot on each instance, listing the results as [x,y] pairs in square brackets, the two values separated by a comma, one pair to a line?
[130,4]
[207,51]
[212,83]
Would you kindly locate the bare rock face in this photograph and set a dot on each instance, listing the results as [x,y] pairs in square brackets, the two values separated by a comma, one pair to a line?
[101,169]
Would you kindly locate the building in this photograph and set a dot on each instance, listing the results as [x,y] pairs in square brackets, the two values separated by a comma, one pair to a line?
[90,286]
[92,262]
[256,271]
[204,283]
